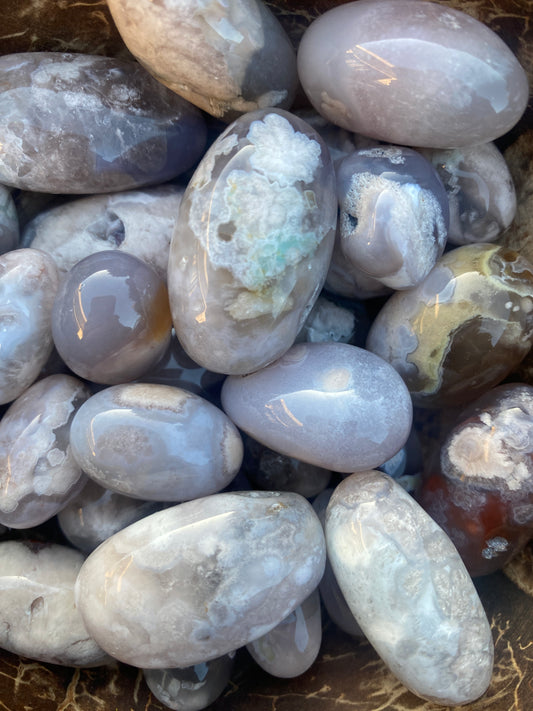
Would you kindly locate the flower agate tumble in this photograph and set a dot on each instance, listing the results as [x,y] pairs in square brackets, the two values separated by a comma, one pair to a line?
[38,474]
[253,242]
[481,489]
[75,123]
[201,579]
[155,442]
[304,404]
[9,223]
[291,647]
[463,329]
[193,688]
[480,190]
[416,74]
[111,320]
[38,616]
[28,283]
[181,42]
[394,214]
[409,590]
[139,222]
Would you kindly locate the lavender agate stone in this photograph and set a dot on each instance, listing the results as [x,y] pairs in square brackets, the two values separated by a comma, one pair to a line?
[139,222]
[227,57]
[75,123]
[156,442]
[480,189]
[304,404]
[409,590]
[38,474]
[253,242]
[9,222]
[291,647]
[416,74]
[201,579]
[111,320]
[28,284]
[38,616]
[394,214]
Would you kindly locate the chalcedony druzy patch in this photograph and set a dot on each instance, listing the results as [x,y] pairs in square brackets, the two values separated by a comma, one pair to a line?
[463,329]
[252,243]
[416,74]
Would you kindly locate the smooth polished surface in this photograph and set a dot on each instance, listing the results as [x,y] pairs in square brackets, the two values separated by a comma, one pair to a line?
[156,442]
[79,123]
[411,73]
[201,579]
[303,404]
[111,320]
[253,241]
[409,590]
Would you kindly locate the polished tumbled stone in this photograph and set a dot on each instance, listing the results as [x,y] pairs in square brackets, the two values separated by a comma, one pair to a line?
[75,123]
[253,242]
[9,222]
[411,73]
[198,580]
[305,403]
[409,590]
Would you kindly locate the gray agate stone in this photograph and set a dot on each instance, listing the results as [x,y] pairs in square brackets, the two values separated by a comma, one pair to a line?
[28,284]
[394,214]
[201,579]
[409,590]
[156,442]
[227,57]
[253,242]
[304,404]
[38,616]
[75,123]
[411,73]
[9,222]
[38,473]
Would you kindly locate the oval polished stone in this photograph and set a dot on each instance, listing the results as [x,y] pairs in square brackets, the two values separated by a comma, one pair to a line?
[111,319]
[76,123]
[38,473]
[38,616]
[253,242]
[409,590]
[156,442]
[201,579]
[180,41]
[304,404]
[463,329]
[416,74]
[28,283]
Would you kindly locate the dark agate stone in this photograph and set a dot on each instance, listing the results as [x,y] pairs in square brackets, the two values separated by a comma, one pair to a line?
[417,74]
[463,329]
[111,320]
[83,124]
[394,214]
[480,489]
[9,223]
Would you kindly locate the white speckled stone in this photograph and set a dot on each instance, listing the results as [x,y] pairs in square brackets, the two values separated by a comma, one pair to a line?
[305,404]
[198,580]
[38,616]
[409,590]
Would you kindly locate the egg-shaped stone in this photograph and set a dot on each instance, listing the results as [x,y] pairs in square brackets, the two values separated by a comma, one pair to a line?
[253,242]
[416,74]
[330,404]
[77,123]
[198,580]
[156,442]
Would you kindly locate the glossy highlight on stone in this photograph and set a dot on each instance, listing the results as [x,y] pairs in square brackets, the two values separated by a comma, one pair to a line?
[304,404]
[76,123]
[411,73]
[253,242]
[409,590]
[198,580]
[111,320]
